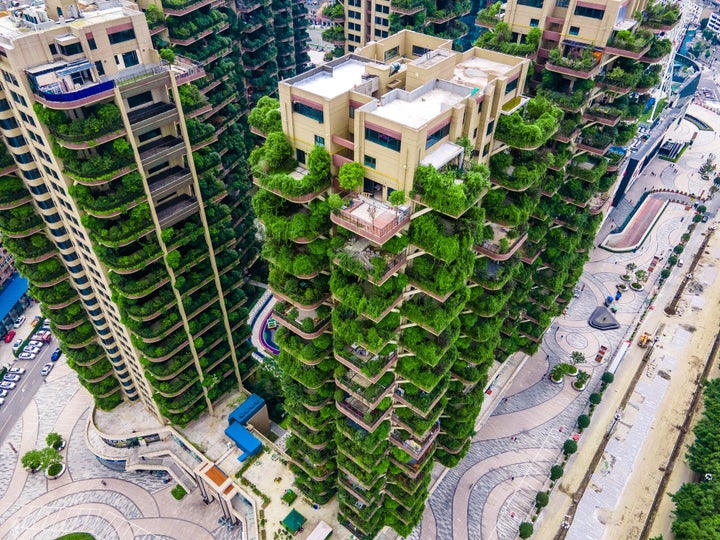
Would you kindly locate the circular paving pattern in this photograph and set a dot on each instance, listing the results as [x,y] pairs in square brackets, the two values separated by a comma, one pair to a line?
[577,340]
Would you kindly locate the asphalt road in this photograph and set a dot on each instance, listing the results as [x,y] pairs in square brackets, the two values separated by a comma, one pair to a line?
[18,399]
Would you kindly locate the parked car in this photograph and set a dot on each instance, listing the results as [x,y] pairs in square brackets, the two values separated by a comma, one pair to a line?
[42,336]
[11,377]
[27,356]
[46,325]
[33,350]
[38,344]
[17,344]
[17,370]
[9,336]
[705,219]
[19,321]
[56,355]
[47,368]
[7,385]
[3,393]
[2,400]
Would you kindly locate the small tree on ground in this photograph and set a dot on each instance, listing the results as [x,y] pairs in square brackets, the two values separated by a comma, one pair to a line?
[583,421]
[577,357]
[556,471]
[607,377]
[178,492]
[679,249]
[569,447]
[54,440]
[640,275]
[526,530]
[595,399]
[32,460]
[630,267]
[541,500]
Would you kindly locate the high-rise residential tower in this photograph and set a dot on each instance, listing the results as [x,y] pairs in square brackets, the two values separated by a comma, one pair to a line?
[124,212]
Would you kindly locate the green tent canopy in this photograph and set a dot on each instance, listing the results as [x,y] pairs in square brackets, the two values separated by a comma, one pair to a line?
[293,521]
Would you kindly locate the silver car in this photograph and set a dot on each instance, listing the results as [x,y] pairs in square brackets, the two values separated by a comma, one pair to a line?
[11,377]
[33,350]
[27,356]
[6,385]
[47,368]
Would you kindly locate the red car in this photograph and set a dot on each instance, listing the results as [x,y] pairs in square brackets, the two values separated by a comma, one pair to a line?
[9,336]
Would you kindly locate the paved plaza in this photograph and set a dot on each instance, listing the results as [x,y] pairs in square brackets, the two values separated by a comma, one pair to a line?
[493,489]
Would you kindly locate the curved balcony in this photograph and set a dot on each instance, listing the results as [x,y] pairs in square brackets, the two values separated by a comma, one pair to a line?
[494,251]
[178,9]
[370,219]
[407,7]
[356,411]
[372,366]
[297,327]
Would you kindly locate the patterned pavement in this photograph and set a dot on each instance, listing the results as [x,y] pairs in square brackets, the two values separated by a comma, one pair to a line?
[493,489]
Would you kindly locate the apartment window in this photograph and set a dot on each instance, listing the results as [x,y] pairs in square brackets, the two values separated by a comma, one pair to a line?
[16,142]
[100,68]
[351,111]
[27,118]
[9,123]
[354,26]
[24,158]
[512,85]
[70,50]
[9,77]
[46,205]
[382,139]
[18,98]
[300,155]
[149,135]
[382,9]
[486,149]
[437,135]
[70,257]
[574,30]
[490,127]
[417,50]
[531,3]
[140,99]
[589,12]
[121,36]
[480,107]
[91,43]
[320,141]
[38,190]
[310,112]
[53,49]
[354,37]
[351,48]
[381,33]
[534,23]
[354,14]
[370,162]
[392,53]
[562,3]
[4,105]
[53,218]
[130,59]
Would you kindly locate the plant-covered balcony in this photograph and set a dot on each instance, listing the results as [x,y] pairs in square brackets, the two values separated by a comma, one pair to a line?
[306,294]
[288,221]
[530,128]
[335,35]
[20,221]
[361,257]
[451,191]
[578,192]
[501,242]
[99,165]
[417,448]
[429,348]
[122,231]
[310,351]
[569,128]
[308,324]
[603,114]
[6,160]
[373,301]
[432,315]
[265,116]
[413,422]
[358,358]
[274,168]
[260,58]
[493,275]
[583,63]
[452,11]
[76,337]
[659,48]
[360,387]
[114,199]
[491,15]
[517,171]
[59,296]
[93,125]
[437,278]
[627,75]
[557,159]
[504,40]
[313,378]
[507,210]
[560,91]
[44,273]
[587,167]
[595,140]
[349,328]
[445,239]
[661,16]
[366,417]
[190,28]
[630,44]
[210,49]
[336,12]
[302,261]
[407,7]
[138,285]
[30,249]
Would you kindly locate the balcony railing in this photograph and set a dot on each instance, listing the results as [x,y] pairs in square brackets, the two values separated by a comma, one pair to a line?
[416,448]
[176,211]
[371,219]
[169,181]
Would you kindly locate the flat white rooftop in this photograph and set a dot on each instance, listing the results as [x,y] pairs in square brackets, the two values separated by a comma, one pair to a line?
[340,79]
[476,71]
[420,111]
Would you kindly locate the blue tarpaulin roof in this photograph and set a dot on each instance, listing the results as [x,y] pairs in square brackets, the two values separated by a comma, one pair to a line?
[245,441]
[246,410]
[10,295]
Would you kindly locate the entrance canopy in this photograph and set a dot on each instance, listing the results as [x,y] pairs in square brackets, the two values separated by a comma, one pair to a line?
[293,521]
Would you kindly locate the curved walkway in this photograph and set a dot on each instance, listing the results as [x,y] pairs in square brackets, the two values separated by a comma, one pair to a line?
[88,496]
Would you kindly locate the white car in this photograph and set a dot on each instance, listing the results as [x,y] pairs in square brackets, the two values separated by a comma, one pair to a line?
[27,356]
[32,350]
[47,368]
[19,321]
[2,400]
[3,393]
[17,370]
[5,385]
[38,344]
[17,344]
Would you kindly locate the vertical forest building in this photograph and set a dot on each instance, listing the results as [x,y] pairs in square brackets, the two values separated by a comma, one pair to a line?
[426,213]
[124,195]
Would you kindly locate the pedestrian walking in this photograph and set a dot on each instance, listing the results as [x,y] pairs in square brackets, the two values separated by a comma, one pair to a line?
[103,482]
[512,478]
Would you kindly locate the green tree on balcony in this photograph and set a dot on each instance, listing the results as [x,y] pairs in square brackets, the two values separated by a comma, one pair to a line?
[265,117]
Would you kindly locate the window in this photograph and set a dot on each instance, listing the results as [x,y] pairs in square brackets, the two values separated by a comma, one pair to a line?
[574,30]
[300,155]
[123,35]
[351,111]
[370,161]
[9,123]
[392,53]
[91,43]
[149,135]
[310,112]
[4,105]
[24,158]
[9,77]
[354,14]
[100,68]
[438,134]
[320,141]
[531,3]
[490,127]
[382,9]
[387,141]
[480,107]
[140,99]
[562,3]
[417,50]
[130,59]
[38,190]
[16,142]
[475,133]
[486,149]
[534,23]
[53,49]
[71,49]
[18,98]
[27,118]
[512,85]
[589,12]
